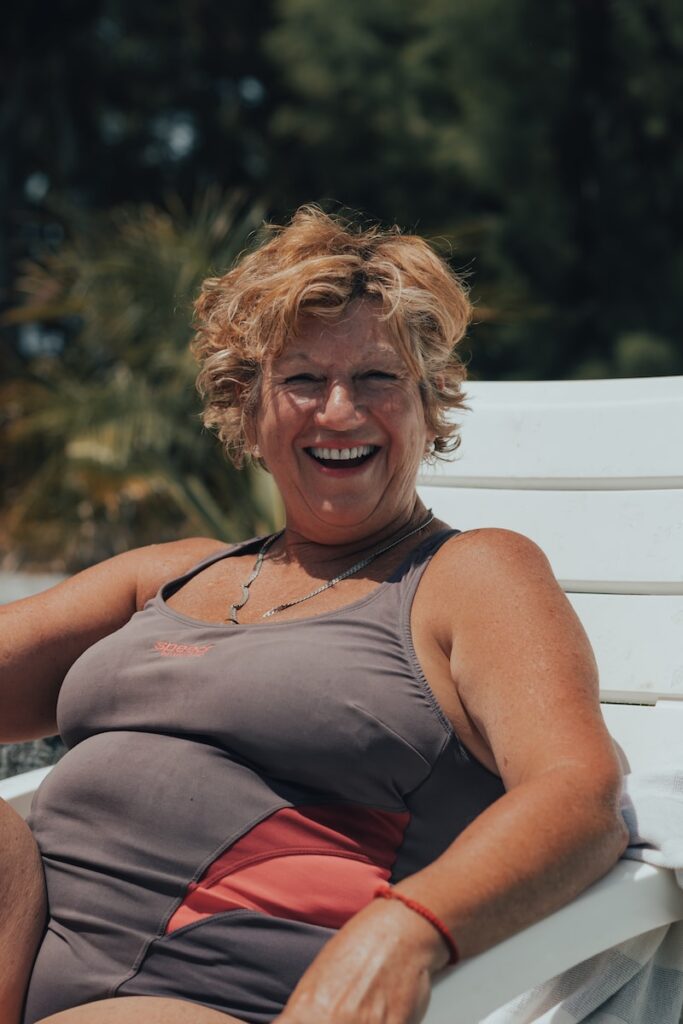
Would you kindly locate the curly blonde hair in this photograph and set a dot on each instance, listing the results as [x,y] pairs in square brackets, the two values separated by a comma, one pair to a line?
[316,266]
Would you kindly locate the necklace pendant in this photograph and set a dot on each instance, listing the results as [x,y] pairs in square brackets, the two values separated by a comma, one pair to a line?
[234,608]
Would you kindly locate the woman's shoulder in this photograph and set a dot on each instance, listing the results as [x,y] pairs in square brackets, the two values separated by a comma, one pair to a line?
[158,563]
[483,558]
[489,540]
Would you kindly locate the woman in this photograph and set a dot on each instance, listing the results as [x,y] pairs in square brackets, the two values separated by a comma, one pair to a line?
[261,744]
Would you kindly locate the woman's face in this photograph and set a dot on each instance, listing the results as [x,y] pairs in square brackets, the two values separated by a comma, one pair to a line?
[341,427]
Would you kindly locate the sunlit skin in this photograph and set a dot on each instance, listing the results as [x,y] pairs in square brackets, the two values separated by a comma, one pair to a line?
[340,385]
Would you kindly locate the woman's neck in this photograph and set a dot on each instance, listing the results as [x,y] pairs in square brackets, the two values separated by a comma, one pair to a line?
[314,548]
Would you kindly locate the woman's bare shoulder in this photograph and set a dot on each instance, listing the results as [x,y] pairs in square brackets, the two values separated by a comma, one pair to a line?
[489,551]
[158,563]
[477,574]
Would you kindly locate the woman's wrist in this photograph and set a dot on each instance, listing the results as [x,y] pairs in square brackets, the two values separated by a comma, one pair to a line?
[425,928]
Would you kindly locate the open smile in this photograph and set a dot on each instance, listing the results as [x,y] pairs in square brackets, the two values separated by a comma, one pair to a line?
[342,458]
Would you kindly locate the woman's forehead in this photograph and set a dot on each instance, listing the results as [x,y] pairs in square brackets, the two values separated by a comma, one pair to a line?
[322,352]
[358,334]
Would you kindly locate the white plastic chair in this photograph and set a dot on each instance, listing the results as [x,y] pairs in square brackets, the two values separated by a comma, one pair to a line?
[592,471]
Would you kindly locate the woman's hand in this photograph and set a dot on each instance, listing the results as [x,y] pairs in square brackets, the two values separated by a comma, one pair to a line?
[376,970]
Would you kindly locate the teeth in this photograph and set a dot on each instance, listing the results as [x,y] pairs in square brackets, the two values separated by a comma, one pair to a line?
[342,453]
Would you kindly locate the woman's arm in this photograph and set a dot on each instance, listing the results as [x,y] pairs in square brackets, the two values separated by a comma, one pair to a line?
[525,676]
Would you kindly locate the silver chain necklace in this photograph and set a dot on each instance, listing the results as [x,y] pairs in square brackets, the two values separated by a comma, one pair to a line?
[268,543]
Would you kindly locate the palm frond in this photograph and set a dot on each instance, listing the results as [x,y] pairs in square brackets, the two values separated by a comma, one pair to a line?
[118,407]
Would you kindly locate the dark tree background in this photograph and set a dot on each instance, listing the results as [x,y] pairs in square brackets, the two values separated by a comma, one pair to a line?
[540,138]
[541,141]
[538,145]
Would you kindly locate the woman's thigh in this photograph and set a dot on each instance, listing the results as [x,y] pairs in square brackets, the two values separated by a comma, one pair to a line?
[141,1010]
[22,909]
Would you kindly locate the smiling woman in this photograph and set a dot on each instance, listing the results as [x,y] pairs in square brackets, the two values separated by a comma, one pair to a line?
[365,704]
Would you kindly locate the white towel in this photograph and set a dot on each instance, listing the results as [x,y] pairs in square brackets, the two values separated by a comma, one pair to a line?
[652,806]
[640,981]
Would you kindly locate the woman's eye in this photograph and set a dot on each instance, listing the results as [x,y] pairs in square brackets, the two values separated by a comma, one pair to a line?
[378,375]
[301,378]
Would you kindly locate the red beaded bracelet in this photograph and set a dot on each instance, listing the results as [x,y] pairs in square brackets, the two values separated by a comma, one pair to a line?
[389,893]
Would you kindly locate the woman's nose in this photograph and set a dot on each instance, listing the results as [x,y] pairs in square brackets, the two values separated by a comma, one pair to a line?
[340,407]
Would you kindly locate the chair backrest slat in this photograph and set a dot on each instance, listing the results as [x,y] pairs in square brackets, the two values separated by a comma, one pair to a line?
[593,472]
[597,541]
[580,434]
[638,644]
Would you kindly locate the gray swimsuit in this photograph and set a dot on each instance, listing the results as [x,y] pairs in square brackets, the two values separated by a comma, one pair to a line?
[232,794]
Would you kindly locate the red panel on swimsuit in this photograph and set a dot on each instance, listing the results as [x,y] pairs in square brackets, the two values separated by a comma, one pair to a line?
[309,863]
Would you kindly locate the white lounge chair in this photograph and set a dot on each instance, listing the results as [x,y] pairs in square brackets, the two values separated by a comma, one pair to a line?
[593,471]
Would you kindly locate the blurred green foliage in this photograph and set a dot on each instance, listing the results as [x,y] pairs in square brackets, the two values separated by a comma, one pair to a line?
[538,146]
[539,139]
[103,447]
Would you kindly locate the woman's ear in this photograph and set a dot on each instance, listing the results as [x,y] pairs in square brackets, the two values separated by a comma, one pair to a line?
[251,446]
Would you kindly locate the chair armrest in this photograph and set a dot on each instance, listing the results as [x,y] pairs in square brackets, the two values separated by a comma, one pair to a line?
[18,791]
[633,898]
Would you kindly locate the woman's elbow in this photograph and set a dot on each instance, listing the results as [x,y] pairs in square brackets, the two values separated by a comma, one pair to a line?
[611,832]
[619,835]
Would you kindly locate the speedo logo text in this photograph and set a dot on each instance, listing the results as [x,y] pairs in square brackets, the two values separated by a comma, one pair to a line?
[168,649]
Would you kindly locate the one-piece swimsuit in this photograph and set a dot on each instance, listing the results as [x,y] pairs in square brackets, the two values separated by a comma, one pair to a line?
[233,794]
